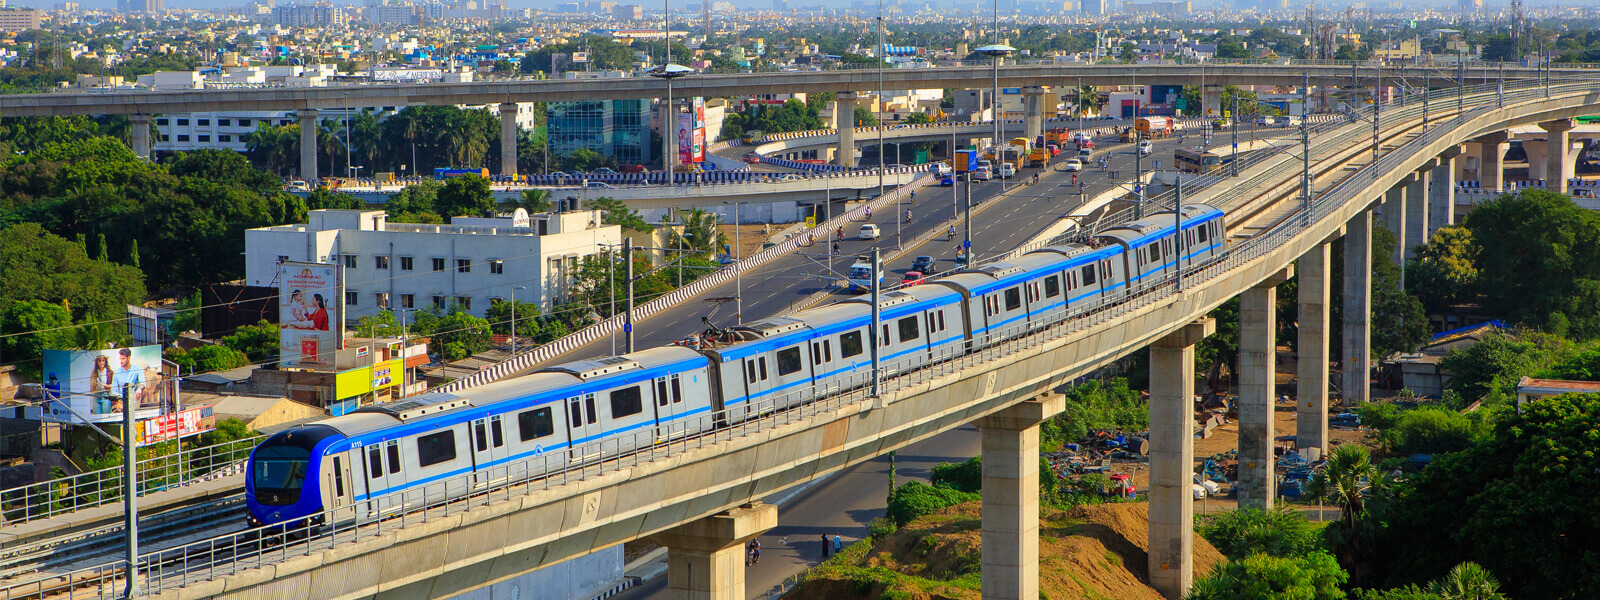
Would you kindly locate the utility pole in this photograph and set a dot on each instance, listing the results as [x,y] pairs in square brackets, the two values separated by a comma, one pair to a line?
[130,494]
[877,319]
[627,273]
[1233,134]
[1177,236]
[966,223]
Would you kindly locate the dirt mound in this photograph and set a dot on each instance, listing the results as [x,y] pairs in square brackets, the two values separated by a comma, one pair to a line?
[1086,553]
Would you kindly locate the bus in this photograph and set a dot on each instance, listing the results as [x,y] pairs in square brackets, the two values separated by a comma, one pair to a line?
[443,173]
[1202,162]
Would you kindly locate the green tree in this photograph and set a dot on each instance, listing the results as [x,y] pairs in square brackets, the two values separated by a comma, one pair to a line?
[31,326]
[415,203]
[41,266]
[965,476]
[1538,256]
[917,499]
[259,342]
[616,212]
[1398,322]
[324,198]
[456,333]
[499,317]
[206,359]
[1314,576]
[918,118]
[1350,481]
[1283,532]
[699,231]
[465,196]
[865,118]
[381,324]
[1489,369]
[1097,405]
[1445,271]
[535,200]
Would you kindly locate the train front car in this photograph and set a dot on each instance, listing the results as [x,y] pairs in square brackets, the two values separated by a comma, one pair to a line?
[282,479]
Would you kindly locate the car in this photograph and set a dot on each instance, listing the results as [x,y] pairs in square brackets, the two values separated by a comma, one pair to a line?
[912,278]
[924,265]
[1054,150]
[1008,170]
[982,174]
[1293,121]
[599,184]
[1145,148]
[941,168]
[1086,143]
[1072,165]
[869,232]
[559,174]
[1265,120]
[752,158]
[299,186]
[1084,154]
[604,171]
[1221,123]
[948,181]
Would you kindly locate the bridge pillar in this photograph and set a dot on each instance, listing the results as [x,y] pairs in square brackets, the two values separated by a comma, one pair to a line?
[1442,196]
[1558,153]
[308,145]
[1491,173]
[508,138]
[1171,558]
[1417,219]
[1357,301]
[705,558]
[669,135]
[1011,498]
[1311,391]
[139,135]
[1211,100]
[1394,218]
[1033,112]
[844,110]
[1258,328]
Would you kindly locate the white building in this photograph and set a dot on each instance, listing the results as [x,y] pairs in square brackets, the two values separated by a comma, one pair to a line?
[471,263]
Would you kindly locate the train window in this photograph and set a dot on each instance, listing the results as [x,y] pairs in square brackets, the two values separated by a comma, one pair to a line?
[1155,253]
[590,413]
[908,329]
[816,353]
[576,410]
[750,370]
[338,477]
[1013,299]
[394,457]
[374,462]
[535,424]
[762,364]
[883,340]
[1088,275]
[481,434]
[788,361]
[436,448]
[1052,286]
[626,402]
[941,321]
[1105,268]
[496,433]
[1203,233]
[827,350]
[661,391]
[850,344]
[931,328]
[677,390]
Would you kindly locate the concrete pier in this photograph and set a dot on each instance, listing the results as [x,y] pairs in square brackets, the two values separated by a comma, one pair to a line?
[508,138]
[1171,559]
[1394,219]
[705,558]
[1311,403]
[1211,100]
[1491,170]
[1357,305]
[1011,498]
[844,111]
[1417,219]
[1558,153]
[139,135]
[1442,191]
[308,145]
[1033,112]
[1258,329]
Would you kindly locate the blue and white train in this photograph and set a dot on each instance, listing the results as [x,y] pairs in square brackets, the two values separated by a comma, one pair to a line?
[568,414]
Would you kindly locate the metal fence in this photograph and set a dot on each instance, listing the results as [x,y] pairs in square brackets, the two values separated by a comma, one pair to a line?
[233,553]
[105,486]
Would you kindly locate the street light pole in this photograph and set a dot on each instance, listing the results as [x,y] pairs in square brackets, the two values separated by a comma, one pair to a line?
[514,317]
[877,319]
[627,324]
[738,275]
[130,493]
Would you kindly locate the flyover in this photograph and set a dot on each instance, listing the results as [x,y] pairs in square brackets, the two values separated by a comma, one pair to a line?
[695,494]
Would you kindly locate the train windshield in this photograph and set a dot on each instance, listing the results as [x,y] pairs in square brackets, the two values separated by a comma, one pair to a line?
[279,473]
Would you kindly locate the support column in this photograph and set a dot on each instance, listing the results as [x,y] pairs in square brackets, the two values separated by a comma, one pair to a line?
[1559,168]
[1171,558]
[1442,194]
[1258,328]
[1416,215]
[844,110]
[669,134]
[1357,300]
[705,558]
[1033,112]
[1491,172]
[1311,391]
[1011,498]
[308,145]
[508,138]
[1394,218]
[1538,163]
[139,135]
[1211,100]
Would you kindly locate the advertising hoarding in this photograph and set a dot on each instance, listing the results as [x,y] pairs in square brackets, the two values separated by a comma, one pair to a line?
[181,424]
[685,139]
[91,383]
[310,322]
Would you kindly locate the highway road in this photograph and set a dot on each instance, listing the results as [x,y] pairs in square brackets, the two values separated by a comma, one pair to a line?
[1000,222]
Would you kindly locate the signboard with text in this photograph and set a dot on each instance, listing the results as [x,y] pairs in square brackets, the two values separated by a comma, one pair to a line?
[181,424]
[310,322]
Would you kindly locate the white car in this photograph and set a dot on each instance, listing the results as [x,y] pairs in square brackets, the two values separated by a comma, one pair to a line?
[943,168]
[1265,120]
[1008,170]
[869,232]
[982,174]
[1145,148]
[1073,165]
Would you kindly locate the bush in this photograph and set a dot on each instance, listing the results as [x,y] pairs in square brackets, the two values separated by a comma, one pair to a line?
[1430,430]
[1241,533]
[1094,405]
[917,499]
[965,476]
[1315,576]
[1379,415]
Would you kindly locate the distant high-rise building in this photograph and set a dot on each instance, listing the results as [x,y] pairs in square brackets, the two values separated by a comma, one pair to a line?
[18,20]
[141,6]
[394,14]
[306,15]
[616,128]
[1094,7]
[628,12]
[780,5]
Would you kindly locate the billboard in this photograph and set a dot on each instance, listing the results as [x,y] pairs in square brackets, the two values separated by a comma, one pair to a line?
[181,424]
[691,140]
[91,383]
[310,319]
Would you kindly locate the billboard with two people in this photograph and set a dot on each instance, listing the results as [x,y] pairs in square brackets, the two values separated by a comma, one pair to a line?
[89,386]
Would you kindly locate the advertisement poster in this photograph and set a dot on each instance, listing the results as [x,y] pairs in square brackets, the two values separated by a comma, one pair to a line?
[685,139]
[92,384]
[309,319]
[181,424]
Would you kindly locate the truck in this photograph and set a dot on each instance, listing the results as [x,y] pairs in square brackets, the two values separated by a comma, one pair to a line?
[1154,127]
[1058,136]
[1038,157]
[861,276]
[966,160]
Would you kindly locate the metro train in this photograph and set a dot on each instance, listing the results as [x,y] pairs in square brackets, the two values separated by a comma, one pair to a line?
[565,415]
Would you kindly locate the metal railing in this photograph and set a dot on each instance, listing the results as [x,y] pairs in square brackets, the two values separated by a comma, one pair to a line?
[230,554]
[105,486]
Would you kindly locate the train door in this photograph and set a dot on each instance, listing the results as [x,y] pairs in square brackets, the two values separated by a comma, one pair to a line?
[583,426]
[758,379]
[667,406]
[793,383]
[337,483]
[377,483]
[822,364]
[488,449]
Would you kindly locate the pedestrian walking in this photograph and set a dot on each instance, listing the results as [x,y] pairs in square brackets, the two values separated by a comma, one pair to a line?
[826,544]
[838,544]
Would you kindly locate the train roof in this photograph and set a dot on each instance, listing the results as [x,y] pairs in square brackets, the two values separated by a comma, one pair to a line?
[1138,233]
[1079,252]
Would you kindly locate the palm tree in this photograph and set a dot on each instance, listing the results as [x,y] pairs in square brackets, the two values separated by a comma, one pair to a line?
[366,137]
[330,142]
[1349,480]
[699,231]
[1467,581]
[1087,99]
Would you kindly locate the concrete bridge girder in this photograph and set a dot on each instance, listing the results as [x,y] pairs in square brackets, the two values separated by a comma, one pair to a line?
[488,543]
